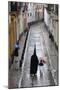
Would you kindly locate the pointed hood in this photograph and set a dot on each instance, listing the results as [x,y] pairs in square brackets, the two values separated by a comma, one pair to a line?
[35,49]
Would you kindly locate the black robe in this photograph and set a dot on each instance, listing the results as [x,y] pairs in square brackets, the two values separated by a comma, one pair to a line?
[34,64]
[16,52]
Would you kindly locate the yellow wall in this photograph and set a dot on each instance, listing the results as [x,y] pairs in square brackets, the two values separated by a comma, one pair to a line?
[12,34]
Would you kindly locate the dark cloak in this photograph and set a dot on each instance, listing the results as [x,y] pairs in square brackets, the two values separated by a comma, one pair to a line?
[34,63]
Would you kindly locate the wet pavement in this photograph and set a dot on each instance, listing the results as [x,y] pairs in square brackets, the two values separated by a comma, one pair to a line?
[45,48]
[15,71]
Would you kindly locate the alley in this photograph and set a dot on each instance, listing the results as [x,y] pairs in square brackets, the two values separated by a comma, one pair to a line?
[38,35]
[33,24]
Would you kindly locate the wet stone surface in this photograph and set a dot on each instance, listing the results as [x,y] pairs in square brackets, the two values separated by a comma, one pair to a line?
[43,78]
[44,48]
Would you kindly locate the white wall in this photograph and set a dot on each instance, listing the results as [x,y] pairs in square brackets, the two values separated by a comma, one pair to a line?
[46,17]
[52,25]
[32,11]
[34,16]
[20,24]
[56,32]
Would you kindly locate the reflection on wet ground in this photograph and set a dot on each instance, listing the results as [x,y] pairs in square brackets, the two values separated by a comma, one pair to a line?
[44,76]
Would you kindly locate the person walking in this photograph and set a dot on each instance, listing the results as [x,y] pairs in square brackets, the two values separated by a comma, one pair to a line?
[41,66]
[16,57]
[16,49]
[34,63]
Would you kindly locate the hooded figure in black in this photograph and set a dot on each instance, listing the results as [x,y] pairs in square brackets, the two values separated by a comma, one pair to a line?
[34,62]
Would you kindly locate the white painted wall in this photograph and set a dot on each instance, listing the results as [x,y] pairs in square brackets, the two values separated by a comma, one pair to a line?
[20,25]
[34,16]
[56,32]
[32,11]
[46,17]
[52,25]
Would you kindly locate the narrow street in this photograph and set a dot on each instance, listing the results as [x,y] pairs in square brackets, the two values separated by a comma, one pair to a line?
[33,24]
[45,48]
